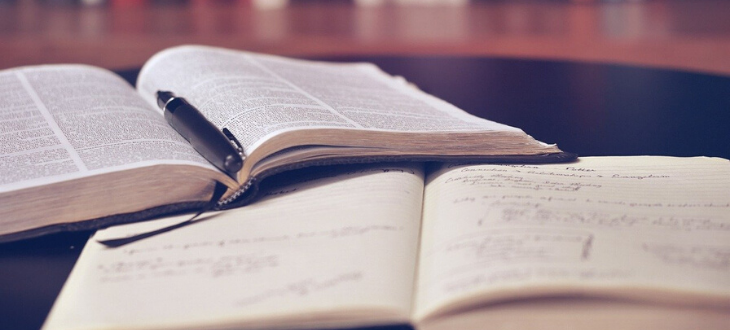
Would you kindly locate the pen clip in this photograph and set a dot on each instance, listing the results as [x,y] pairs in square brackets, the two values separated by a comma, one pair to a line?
[234,142]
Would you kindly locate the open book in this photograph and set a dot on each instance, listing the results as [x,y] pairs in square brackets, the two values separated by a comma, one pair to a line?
[604,243]
[79,143]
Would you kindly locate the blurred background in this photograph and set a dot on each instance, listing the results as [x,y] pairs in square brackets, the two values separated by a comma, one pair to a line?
[120,34]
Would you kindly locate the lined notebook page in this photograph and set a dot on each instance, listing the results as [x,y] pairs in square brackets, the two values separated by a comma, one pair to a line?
[655,228]
[338,250]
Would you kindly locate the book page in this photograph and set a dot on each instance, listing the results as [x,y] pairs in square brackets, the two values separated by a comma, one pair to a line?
[61,122]
[647,228]
[256,96]
[334,251]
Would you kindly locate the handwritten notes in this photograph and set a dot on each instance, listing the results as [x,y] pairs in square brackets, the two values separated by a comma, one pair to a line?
[300,288]
[691,255]
[160,267]
[335,247]
[245,241]
[602,222]
[493,247]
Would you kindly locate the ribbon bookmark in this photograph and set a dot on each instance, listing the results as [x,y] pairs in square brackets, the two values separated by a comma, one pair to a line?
[218,192]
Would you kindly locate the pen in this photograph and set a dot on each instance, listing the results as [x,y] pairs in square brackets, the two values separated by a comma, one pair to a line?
[206,138]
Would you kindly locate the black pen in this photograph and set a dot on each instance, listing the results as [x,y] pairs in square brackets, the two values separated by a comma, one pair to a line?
[206,138]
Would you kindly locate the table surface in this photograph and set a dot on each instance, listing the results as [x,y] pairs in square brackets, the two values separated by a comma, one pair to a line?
[589,109]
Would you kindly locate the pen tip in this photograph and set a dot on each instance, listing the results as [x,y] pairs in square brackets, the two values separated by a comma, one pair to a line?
[163,97]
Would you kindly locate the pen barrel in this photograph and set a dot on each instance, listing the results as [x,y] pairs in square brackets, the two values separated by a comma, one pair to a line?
[203,135]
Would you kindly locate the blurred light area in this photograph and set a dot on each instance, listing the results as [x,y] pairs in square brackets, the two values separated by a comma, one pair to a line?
[687,35]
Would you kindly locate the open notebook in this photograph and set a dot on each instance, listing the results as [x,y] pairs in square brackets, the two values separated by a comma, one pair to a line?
[607,242]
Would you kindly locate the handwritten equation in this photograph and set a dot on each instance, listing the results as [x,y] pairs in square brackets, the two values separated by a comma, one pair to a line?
[169,266]
[692,255]
[499,248]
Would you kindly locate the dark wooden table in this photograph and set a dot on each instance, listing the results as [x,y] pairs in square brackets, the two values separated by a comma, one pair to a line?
[589,109]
